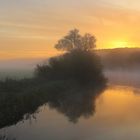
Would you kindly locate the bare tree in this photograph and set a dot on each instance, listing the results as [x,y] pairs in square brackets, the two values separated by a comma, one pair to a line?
[75,41]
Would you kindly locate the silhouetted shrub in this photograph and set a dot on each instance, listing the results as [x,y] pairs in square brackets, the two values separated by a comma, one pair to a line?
[81,66]
[74,41]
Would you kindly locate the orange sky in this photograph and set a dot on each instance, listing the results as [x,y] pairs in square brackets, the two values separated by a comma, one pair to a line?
[30,28]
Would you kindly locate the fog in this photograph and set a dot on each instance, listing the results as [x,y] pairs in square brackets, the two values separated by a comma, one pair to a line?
[115,77]
[123,77]
[119,66]
[24,68]
[17,68]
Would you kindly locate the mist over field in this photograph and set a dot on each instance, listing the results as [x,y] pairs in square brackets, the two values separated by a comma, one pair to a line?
[119,66]
[123,77]
[120,58]
[18,68]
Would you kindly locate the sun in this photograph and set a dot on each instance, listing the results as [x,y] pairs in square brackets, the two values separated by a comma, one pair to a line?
[120,44]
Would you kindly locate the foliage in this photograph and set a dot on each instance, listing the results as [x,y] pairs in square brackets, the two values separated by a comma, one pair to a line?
[75,41]
[82,67]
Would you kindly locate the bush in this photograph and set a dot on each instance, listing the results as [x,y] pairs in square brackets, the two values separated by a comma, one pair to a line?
[84,67]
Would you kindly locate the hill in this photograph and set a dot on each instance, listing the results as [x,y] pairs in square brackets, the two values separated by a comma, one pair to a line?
[120,58]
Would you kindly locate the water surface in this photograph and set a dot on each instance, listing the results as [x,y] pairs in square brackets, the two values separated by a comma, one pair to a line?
[114,115]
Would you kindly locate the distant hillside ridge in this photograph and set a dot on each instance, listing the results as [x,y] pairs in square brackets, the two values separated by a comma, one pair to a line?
[120,58]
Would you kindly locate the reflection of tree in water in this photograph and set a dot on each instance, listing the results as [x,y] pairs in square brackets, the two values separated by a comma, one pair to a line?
[73,102]
[67,97]
[76,103]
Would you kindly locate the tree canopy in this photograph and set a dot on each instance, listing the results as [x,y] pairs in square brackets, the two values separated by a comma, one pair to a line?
[74,41]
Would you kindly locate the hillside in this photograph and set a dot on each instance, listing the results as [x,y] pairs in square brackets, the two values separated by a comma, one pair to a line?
[121,58]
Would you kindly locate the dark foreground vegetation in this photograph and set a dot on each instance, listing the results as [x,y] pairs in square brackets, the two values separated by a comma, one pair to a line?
[82,67]
[69,83]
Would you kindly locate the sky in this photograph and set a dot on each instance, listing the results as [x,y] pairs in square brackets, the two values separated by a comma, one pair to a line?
[31,28]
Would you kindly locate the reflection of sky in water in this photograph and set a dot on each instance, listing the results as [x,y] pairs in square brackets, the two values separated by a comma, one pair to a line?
[117,117]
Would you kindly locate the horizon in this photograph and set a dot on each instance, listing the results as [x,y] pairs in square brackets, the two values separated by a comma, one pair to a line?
[30,62]
[30,29]
[59,53]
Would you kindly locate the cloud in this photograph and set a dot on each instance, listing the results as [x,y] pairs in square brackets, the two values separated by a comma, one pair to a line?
[39,24]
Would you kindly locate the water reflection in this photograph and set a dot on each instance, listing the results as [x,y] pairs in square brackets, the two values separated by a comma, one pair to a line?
[76,103]
[69,98]
[117,117]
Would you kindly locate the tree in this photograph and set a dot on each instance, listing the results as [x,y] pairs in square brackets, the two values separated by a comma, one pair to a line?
[79,64]
[75,41]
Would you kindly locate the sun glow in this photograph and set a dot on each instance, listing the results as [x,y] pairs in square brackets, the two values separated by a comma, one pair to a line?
[121,44]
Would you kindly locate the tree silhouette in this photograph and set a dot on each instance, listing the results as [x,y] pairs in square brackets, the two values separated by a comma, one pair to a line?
[79,63]
[75,41]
